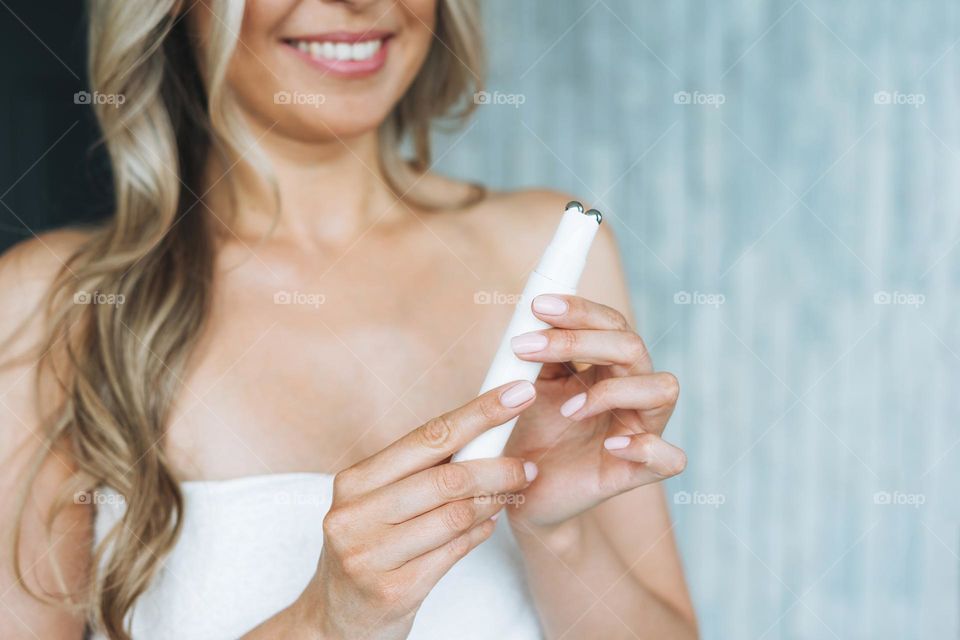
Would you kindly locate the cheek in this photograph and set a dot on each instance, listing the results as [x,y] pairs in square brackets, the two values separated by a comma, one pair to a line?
[420,23]
[264,17]
[423,10]
[421,19]
[251,79]
[250,73]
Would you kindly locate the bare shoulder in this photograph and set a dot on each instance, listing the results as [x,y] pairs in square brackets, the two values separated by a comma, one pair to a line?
[515,227]
[527,211]
[27,270]
[525,221]
[42,256]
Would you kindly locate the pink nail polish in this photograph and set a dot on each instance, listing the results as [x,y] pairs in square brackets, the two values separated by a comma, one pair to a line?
[528,343]
[530,470]
[517,394]
[550,306]
[616,442]
[573,405]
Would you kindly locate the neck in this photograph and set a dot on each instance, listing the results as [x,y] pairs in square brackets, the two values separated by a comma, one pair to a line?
[330,192]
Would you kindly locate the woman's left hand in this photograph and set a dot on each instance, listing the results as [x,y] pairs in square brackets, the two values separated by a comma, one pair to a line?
[596,432]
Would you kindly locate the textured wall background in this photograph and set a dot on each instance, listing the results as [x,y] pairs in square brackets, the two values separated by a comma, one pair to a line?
[824,421]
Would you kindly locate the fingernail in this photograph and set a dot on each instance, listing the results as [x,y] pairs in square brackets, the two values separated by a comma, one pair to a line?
[528,343]
[517,394]
[616,442]
[573,405]
[530,470]
[495,516]
[548,305]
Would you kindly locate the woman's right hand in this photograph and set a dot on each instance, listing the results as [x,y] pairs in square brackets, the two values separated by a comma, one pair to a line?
[402,517]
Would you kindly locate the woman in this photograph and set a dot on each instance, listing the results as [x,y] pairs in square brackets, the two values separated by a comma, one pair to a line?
[280,298]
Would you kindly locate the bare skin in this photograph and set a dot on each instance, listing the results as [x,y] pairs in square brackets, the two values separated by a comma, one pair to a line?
[339,387]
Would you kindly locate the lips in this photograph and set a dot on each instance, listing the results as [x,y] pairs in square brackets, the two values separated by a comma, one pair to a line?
[342,53]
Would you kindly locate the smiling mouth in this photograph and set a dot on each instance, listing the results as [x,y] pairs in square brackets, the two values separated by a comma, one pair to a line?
[346,54]
[331,51]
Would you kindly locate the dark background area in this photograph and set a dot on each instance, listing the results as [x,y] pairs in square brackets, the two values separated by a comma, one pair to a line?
[51,171]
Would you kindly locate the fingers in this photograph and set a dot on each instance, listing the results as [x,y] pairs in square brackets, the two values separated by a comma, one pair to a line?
[403,588]
[584,345]
[585,331]
[439,438]
[574,312]
[438,527]
[657,458]
[431,566]
[653,396]
[434,487]
[423,512]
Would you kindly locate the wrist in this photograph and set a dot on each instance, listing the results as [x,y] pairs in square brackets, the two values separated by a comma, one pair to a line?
[308,611]
[319,618]
[564,540]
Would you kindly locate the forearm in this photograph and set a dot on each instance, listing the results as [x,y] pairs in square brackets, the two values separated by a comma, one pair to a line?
[582,588]
[294,622]
[305,620]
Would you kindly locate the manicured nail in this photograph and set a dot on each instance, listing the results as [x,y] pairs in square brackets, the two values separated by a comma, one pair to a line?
[573,405]
[530,470]
[616,442]
[550,306]
[517,394]
[528,343]
[495,516]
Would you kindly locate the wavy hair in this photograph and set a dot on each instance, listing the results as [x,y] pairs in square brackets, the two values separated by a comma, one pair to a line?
[122,364]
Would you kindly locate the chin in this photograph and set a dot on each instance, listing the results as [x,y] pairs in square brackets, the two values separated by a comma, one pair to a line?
[321,111]
[324,124]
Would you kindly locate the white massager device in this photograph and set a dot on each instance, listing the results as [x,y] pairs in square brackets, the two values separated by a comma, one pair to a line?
[558,272]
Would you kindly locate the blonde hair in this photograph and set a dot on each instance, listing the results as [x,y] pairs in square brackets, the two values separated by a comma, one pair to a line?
[124,363]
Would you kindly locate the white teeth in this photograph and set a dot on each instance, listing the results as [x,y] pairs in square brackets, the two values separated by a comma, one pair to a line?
[341,51]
